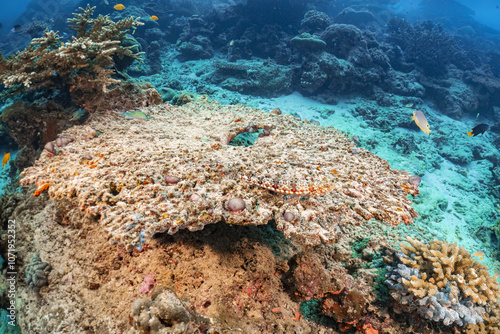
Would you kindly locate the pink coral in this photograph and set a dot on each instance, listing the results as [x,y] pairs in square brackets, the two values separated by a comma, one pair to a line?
[149,282]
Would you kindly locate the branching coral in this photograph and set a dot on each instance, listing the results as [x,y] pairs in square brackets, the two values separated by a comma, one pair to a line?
[48,63]
[442,282]
[491,324]
[177,171]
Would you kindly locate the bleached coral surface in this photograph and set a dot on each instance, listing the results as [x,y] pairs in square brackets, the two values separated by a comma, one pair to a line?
[116,168]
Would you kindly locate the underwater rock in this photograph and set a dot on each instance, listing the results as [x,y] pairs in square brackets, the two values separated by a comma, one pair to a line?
[36,273]
[405,84]
[197,47]
[313,77]
[165,313]
[315,20]
[307,42]
[341,39]
[351,16]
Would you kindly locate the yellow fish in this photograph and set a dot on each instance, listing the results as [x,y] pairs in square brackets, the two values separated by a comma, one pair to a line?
[421,121]
[6,157]
[409,105]
[119,7]
[497,273]
[231,43]
[479,254]
[154,17]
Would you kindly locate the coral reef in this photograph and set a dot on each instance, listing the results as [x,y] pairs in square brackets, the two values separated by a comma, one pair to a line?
[491,323]
[36,273]
[307,42]
[315,20]
[425,44]
[341,39]
[442,283]
[32,126]
[115,168]
[81,66]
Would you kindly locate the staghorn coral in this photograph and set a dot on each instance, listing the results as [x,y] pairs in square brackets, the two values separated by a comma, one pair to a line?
[48,63]
[120,174]
[442,282]
[491,324]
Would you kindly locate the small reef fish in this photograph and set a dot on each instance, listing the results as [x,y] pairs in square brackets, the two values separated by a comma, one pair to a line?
[6,157]
[231,43]
[78,114]
[119,7]
[497,273]
[135,115]
[16,28]
[421,121]
[478,129]
[479,254]
[409,105]
[154,17]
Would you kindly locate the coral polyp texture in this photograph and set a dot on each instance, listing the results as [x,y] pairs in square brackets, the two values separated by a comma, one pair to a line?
[443,283]
[84,65]
[177,170]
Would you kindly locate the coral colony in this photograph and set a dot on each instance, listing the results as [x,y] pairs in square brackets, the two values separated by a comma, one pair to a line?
[140,196]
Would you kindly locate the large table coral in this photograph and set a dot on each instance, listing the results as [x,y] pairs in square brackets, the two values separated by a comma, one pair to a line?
[177,170]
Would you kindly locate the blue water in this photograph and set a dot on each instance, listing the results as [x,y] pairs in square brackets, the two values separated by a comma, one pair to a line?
[361,67]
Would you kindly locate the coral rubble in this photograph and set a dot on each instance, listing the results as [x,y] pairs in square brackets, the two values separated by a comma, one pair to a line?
[116,168]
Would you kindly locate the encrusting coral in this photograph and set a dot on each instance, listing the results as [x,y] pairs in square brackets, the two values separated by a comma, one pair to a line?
[177,171]
[48,63]
[36,273]
[443,283]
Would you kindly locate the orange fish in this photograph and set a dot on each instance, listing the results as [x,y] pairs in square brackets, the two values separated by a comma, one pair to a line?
[154,17]
[479,254]
[6,157]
